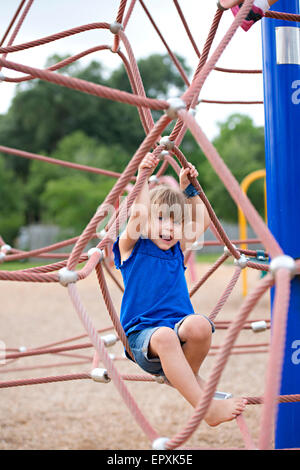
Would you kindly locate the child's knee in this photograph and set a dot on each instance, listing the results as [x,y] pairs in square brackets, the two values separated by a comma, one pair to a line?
[196,329]
[163,338]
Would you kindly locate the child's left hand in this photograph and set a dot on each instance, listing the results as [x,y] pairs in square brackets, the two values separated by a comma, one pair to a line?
[183,175]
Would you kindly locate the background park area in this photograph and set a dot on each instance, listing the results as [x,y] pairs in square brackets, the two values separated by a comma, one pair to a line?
[56,203]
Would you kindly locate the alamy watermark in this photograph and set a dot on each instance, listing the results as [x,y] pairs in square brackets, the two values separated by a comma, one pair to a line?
[179,221]
[296,352]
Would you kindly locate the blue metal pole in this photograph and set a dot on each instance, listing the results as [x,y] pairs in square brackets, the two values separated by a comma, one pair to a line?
[281,76]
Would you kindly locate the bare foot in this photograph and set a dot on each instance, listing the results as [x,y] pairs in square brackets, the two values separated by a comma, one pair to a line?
[221,411]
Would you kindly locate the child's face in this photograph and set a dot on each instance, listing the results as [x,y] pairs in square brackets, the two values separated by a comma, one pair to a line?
[164,231]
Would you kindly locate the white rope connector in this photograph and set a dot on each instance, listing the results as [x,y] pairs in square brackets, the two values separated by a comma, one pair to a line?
[109,340]
[22,349]
[162,154]
[3,252]
[175,104]
[222,395]
[227,251]
[2,77]
[96,250]
[5,248]
[100,375]
[166,142]
[66,276]
[153,179]
[115,27]
[283,262]
[102,234]
[259,326]
[241,262]
[115,51]
[160,443]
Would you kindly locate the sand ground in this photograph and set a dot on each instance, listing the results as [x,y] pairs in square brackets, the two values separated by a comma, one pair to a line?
[83,414]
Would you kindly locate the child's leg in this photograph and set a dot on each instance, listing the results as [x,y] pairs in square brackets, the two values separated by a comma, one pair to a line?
[165,344]
[195,332]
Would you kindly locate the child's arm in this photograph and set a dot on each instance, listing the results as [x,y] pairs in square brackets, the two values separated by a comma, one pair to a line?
[200,220]
[139,211]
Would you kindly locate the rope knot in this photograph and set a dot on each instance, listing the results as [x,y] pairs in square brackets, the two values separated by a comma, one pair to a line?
[175,104]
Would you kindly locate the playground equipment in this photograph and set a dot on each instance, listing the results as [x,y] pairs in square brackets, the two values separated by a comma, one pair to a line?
[281,66]
[282,269]
[245,184]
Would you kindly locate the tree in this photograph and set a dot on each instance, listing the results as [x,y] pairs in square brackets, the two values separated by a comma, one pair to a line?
[11,203]
[42,113]
[71,201]
[45,179]
[159,76]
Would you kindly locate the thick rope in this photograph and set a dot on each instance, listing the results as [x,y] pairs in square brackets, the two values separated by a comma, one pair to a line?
[86,87]
[112,371]
[224,297]
[18,26]
[12,21]
[111,310]
[273,375]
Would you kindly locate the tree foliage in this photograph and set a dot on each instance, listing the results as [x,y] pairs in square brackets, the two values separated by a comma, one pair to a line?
[12,205]
[241,145]
[71,201]
[42,113]
[77,127]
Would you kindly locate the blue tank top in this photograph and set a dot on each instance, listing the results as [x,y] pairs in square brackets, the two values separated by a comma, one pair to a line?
[156,292]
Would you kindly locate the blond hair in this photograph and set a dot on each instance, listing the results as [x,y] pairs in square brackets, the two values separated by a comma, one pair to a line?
[168,201]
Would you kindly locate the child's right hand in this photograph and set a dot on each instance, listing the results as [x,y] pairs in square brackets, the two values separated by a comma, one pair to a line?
[149,161]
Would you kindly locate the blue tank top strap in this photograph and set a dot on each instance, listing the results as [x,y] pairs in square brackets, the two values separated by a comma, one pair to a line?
[117,255]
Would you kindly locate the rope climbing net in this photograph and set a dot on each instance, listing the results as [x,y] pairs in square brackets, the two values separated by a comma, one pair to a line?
[178,111]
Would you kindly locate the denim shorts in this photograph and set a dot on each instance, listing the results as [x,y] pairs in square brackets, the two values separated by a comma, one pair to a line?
[139,344]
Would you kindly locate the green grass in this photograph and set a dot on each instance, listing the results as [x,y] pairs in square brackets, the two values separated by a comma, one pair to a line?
[17,265]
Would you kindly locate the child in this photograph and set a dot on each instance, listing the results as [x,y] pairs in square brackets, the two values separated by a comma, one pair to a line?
[257,11]
[166,337]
